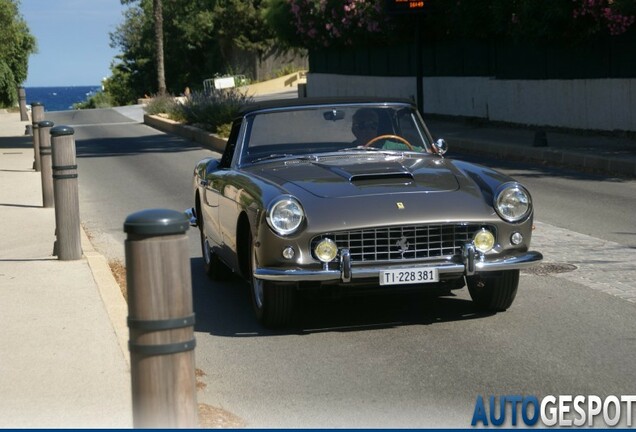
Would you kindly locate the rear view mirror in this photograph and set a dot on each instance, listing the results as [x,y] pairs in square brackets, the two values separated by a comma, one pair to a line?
[334,115]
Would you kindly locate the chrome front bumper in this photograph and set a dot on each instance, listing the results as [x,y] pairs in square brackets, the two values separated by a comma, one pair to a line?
[472,263]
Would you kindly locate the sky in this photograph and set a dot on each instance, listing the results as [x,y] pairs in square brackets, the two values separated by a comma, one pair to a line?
[73,40]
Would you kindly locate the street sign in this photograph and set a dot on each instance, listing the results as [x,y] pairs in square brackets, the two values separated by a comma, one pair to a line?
[405,6]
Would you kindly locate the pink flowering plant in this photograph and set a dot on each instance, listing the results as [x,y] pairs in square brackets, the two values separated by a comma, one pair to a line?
[616,15]
[319,24]
[326,23]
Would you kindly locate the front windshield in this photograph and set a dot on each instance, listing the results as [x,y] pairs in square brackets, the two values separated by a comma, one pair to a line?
[324,129]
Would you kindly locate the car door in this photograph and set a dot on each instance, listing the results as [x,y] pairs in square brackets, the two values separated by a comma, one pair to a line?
[215,182]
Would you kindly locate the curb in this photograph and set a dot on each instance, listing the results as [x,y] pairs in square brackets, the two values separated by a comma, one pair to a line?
[110,293]
[207,139]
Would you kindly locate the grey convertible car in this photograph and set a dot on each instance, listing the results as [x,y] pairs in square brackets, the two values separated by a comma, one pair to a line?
[351,195]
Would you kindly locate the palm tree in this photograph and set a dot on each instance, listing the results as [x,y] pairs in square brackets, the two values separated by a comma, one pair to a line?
[158,18]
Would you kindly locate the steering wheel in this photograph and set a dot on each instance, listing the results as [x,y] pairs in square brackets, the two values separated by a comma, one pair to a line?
[393,137]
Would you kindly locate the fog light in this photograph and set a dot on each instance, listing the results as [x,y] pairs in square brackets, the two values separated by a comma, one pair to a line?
[288,252]
[516,238]
[484,240]
[326,250]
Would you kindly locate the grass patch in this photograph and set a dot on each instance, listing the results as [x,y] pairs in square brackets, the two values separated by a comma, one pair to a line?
[119,273]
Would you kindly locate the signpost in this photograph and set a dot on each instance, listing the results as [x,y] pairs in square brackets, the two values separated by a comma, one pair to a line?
[416,7]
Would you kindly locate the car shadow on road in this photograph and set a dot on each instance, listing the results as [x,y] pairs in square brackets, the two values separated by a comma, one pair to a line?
[223,308]
[126,146]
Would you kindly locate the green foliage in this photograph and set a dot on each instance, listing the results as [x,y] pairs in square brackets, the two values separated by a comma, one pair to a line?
[277,14]
[326,23]
[16,45]
[213,111]
[120,86]
[97,100]
[200,37]
[162,104]
[8,91]
[317,24]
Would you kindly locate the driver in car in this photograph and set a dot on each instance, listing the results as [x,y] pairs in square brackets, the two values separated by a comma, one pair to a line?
[364,126]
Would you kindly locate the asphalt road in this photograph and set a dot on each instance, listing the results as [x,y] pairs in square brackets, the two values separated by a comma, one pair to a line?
[390,361]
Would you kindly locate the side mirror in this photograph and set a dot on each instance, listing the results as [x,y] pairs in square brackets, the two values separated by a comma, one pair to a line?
[440,147]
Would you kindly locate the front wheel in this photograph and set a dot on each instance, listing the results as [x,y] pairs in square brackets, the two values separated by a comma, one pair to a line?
[494,292]
[273,303]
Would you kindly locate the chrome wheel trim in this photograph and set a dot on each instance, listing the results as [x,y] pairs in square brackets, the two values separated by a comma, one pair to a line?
[207,254]
[257,285]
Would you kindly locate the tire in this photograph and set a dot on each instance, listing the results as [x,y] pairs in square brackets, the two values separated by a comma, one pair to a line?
[273,303]
[496,292]
[212,265]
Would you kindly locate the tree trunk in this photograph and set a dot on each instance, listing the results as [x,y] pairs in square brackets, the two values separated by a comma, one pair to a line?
[161,77]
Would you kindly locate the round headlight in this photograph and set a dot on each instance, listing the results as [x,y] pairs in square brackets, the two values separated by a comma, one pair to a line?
[326,250]
[285,215]
[513,203]
[484,240]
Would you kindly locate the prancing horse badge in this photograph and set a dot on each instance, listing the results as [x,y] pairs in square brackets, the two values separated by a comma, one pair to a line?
[400,205]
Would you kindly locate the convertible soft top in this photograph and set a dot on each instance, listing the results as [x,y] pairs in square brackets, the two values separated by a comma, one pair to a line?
[316,101]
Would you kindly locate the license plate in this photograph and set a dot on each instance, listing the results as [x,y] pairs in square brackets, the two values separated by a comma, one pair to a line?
[409,276]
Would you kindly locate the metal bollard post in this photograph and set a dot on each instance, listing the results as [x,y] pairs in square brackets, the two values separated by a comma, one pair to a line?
[37,115]
[37,164]
[65,190]
[161,320]
[24,116]
[46,172]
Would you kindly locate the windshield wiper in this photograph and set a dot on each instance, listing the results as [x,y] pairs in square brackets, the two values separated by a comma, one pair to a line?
[362,148]
[273,156]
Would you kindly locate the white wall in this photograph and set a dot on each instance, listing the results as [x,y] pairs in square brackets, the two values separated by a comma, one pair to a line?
[598,104]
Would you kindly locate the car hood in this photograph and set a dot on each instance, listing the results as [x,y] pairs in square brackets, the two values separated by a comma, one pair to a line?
[345,176]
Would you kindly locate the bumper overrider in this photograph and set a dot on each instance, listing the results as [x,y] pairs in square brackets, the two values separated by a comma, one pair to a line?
[472,262]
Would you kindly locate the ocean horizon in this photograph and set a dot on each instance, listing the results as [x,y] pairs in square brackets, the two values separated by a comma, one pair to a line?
[59,98]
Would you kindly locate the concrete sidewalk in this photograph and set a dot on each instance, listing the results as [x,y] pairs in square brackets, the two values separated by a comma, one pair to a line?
[63,356]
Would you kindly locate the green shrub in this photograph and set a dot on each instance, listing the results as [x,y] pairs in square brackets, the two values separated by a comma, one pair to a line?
[212,111]
[162,105]
[97,100]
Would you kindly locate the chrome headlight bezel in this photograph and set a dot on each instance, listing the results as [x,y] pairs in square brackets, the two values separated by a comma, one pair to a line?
[276,218]
[513,202]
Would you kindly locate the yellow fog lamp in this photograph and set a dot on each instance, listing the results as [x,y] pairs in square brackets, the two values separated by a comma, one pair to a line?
[326,250]
[484,240]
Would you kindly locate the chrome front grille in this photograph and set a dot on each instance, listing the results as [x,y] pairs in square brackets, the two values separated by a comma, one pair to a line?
[404,242]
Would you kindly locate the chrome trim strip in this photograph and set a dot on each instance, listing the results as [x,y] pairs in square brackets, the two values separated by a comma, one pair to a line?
[510,262]
[513,262]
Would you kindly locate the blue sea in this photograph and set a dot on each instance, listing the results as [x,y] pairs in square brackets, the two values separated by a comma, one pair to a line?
[59,98]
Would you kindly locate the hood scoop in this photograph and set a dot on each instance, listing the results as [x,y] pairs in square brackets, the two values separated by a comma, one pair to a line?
[360,173]
[376,178]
